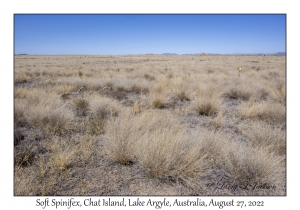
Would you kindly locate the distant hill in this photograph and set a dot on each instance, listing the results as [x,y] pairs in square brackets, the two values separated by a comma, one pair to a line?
[280,53]
[169,54]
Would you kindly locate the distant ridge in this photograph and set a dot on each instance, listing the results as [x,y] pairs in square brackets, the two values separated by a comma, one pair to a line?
[169,54]
[280,53]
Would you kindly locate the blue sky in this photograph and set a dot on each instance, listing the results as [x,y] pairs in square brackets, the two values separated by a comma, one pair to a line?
[141,34]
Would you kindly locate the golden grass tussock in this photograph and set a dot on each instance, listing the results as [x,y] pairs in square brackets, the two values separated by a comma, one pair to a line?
[218,120]
[253,167]
[206,106]
[45,173]
[211,146]
[81,106]
[158,100]
[101,109]
[182,110]
[21,77]
[158,96]
[137,107]
[121,140]
[278,92]
[271,138]
[161,125]
[158,143]
[239,90]
[21,93]
[65,88]
[206,100]
[168,155]
[266,111]
[24,182]
[25,155]
[49,115]
[19,116]
[182,91]
[245,167]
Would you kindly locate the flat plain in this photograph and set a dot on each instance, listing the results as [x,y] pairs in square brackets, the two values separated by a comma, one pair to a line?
[150,125]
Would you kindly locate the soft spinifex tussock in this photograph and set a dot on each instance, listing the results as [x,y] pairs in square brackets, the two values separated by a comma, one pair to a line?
[48,169]
[211,146]
[139,87]
[101,109]
[156,119]
[101,105]
[165,154]
[244,166]
[206,106]
[64,88]
[21,92]
[159,143]
[182,91]
[269,137]
[36,96]
[21,77]
[24,182]
[158,97]
[81,106]
[278,92]
[206,100]
[158,100]
[50,115]
[251,169]
[167,151]
[19,116]
[266,111]
[218,120]
[239,90]
[137,107]
[25,154]
[86,149]
[62,152]
[120,83]
[66,153]
[123,134]
[121,140]
[182,110]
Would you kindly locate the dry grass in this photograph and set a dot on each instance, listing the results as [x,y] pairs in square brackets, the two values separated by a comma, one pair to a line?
[81,106]
[21,77]
[266,111]
[168,155]
[53,118]
[182,91]
[207,100]
[268,137]
[149,125]
[206,106]
[253,167]
[239,90]
[121,140]
[218,120]
[241,166]
[101,110]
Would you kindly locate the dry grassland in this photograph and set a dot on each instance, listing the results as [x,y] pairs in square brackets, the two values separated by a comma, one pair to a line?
[149,125]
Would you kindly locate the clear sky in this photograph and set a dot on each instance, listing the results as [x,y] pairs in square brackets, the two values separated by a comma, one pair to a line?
[141,34]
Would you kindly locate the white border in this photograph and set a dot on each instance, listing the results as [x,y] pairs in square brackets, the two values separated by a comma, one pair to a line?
[9,8]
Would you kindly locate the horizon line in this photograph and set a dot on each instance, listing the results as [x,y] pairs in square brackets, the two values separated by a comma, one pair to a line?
[161,54]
